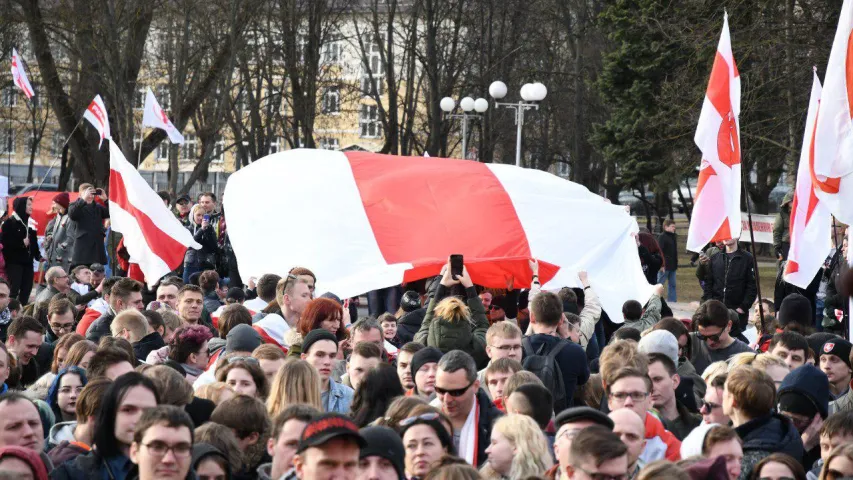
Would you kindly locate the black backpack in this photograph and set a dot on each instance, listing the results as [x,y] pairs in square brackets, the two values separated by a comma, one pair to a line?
[543,363]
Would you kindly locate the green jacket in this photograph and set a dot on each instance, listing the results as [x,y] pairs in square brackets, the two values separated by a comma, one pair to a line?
[466,336]
[703,269]
[651,316]
[781,227]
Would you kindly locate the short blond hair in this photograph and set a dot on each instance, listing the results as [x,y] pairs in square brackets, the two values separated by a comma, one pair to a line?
[714,370]
[502,329]
[763,361]
[618,355]
[213,391]
[132,321]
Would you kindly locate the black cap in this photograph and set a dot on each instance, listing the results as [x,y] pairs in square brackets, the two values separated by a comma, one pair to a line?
[424,356]
[385,443]
[576,414]
[327,427]
[315,336]
[97,267]
[410,301]
[184,198]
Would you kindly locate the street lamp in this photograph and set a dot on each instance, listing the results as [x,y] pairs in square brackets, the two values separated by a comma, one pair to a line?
[467,104]
[531,95]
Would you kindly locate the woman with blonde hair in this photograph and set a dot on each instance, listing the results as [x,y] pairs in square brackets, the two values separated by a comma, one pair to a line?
[296,382]
[216,392]
[518,449]
[839,463]
[454,324]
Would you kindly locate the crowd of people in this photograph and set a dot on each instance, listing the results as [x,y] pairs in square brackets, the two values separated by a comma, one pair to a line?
[204,377]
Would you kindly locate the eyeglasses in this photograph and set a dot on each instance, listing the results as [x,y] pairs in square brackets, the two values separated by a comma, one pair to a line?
[159,449]
[495,307]
[635,396]
[244,359]
[59,328]
[713,338]
[453,393]
[601,476]
[569,432]
[708,405]
[508,348]
[427,417]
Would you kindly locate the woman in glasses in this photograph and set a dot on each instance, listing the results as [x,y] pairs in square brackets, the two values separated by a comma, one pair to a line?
[518,449]
[296,382]
[189,348]
[63,393]
[244,376]
[426,439]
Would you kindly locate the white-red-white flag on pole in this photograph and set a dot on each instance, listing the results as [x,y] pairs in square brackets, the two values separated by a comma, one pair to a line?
[810,219]
[155,117]
[19,75]
[716,211]
[832,160]
[154,238]
[96,114]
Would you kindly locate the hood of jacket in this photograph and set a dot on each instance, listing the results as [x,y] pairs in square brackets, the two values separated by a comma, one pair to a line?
[63,431]
[771,433]
[204,450]
[810,382]
[414,318]
[19,206]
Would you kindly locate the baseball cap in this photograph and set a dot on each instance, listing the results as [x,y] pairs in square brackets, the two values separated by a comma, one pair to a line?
[328,427]
[184,198]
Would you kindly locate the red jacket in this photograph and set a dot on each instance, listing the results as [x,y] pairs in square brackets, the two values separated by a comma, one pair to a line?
[88,318]
[659,440]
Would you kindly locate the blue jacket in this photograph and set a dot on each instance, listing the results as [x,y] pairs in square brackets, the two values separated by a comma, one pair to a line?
[772,433]
[810,382]
[339,398]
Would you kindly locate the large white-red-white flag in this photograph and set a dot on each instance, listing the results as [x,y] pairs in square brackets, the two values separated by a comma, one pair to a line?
[19,75]
[96,114]
[832,162]
[154,238]
[716,211]
[155,117]
[810,226]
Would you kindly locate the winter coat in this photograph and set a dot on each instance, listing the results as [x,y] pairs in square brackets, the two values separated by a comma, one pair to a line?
[834,299]
[810,382]
[158,357]
[211,301]
[88,235]
[67,450]
[669,246]
[60,432]
[13,232]
[206,237]
[843,403]
[59,243]
[571,359]
[762,436]
[489,413]
[90,466]
[651,263]
[409,324]
[469,336]
[731,281]
[100,327]
[781,229]
[147,344]
[651,315]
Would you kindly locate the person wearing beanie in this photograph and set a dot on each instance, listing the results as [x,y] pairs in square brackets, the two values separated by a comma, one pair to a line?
[796,313]
[663,342]
[59,241]
[803,397]
[409,324]
[381,443]
[12,457]
[209,462]
[319,348]
[424,368]
[242,338]
[835,363]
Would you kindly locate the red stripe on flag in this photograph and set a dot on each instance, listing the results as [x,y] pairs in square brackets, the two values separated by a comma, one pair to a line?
[422,213]
[718,87]
[164,246]
[724,233]
[830,185]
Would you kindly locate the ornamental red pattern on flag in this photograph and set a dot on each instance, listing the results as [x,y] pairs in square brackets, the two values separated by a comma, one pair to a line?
[716,211]
[96,114]
[810,226]
[19,75]
[154,238]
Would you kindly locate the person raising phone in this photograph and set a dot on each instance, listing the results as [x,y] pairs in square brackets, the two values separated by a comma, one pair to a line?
[87,217]
[452,323]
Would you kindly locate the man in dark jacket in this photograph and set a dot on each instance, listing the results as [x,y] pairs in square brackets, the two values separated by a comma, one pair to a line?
[803,397]
[88,217]
[126,293]
[209,283]
[60,322]
[668,241]
[459,394]
[731,280]
[411,321]
[748,399]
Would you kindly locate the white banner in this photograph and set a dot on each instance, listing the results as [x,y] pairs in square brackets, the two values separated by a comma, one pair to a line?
[762,226]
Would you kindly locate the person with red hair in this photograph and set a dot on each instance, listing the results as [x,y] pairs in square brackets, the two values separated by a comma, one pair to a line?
[322,313]
[651,256]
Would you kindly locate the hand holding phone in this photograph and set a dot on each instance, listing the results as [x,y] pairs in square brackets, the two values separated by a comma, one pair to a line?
[456,264]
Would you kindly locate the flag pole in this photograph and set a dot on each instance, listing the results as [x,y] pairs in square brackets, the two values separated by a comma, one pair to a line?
[11,140]
[53,163]
[139,153]
[752,240]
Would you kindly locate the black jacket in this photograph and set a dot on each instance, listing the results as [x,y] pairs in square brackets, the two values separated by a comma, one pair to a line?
[88,233]
[200,410]
[147,344]
[651,263]
[571,360]
[772,433]
[409,325]
[14,231]
[669,246]
[489,413]
[100,327]
[731,281]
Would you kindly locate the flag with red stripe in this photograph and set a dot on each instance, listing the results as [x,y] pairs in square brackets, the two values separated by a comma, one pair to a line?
[154,238]
[362,221]
[96,114]
[716,211]
[19,75]
[810,219]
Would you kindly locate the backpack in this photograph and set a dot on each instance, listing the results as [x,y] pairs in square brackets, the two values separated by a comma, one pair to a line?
[543,364]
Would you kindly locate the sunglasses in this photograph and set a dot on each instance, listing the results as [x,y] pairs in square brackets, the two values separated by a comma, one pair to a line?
[708,405]
[453,393]
[713,338]
[426,417]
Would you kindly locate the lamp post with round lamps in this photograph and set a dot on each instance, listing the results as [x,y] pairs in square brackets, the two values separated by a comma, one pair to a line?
[531,95]
[467,104]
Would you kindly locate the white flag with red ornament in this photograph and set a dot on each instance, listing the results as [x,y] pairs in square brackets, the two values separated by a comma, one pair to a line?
[810,225]
[19,75]
[96,114]
[155,117]
[832,164]
[154,238]
[379,220]
[716,212]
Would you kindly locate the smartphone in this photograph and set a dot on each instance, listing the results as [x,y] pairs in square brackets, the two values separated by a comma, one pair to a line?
[206,217]
[456,266]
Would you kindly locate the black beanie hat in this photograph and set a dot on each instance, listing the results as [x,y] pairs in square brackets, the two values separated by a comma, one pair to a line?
[838,347]
[796,308]
[795,402]
[424,356]
[315,336]
[385,443]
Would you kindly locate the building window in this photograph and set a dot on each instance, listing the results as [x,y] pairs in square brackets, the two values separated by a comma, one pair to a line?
[10,96]
[369,122]
[219,151]
[7,141]
[563,169]
[327,143]
[275,145]
[332,51]
[163,98]
[58,139]
[139,98]
[163,151]
[373,69]
[188,149]
[332,100]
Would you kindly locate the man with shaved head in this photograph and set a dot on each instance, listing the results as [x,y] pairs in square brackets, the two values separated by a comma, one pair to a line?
[632,431]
